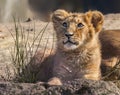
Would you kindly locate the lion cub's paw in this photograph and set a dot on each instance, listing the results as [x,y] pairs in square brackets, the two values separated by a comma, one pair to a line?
[92,76]
[54,81]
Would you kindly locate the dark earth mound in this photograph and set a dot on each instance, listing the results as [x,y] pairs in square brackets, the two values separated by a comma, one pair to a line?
[77,87]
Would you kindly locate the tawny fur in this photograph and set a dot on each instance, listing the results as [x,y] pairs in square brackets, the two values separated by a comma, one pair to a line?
[67,62]
[81,56]
[110,48]
[110,42]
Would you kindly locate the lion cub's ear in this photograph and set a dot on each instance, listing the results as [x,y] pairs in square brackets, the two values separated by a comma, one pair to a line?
[59,15]
[95,18]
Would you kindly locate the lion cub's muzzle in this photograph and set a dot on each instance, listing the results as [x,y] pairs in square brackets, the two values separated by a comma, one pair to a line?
[70,39]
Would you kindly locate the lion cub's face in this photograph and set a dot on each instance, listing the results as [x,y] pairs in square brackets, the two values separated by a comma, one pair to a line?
[74,29]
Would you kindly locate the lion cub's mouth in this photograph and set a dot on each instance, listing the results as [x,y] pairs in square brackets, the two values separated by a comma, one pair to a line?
[70,42]
[70,45]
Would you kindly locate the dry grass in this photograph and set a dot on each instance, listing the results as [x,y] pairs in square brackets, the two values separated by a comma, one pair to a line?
[24,50]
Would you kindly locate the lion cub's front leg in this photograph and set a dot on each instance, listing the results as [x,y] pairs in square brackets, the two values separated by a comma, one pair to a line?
[93,71]
[92,77]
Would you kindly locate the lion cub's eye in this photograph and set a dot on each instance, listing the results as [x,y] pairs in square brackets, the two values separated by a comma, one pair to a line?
[64,24]
[80,25]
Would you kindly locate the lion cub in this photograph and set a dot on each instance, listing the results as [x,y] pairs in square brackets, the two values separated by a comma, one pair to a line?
[78,52]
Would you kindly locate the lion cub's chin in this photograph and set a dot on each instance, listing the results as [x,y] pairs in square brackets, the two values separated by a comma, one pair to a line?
[70,46]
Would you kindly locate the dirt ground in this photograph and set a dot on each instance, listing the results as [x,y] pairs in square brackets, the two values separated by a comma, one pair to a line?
[112,21]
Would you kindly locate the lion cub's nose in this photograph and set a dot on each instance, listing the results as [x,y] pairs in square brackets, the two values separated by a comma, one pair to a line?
[69,34]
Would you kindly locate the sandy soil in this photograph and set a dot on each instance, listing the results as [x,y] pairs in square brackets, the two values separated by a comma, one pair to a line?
[112,21]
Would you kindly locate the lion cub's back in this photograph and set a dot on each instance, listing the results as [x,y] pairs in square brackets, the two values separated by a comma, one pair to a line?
[110,40]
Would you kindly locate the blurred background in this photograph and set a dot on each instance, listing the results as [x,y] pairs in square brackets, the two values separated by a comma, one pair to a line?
[13,8]
[42,8]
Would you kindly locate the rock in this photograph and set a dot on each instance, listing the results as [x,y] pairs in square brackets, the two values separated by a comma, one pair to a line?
[10,88]
[76,87]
